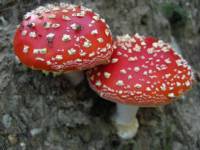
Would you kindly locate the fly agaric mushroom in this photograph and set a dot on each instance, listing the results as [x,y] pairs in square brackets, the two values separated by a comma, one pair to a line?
[63,38]
[143,72]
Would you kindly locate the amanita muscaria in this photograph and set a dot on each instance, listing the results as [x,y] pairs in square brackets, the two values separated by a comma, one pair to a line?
[63,38]
[143,72]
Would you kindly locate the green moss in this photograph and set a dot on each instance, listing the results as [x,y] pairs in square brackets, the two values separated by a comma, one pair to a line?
[176,14]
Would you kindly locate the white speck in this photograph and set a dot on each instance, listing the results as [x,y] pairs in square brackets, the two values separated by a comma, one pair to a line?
[48,62]
[103,20]
[167,75]
[64,11]
[27,16]
[52,16]
[71,51]
[96,17]
[64,17]
[78,60]
[143,43]
[66,37]
[137,48]
[39,59]
[155,44]
[132,58]
[108,46]
[165,49]
[107,75]
[50,37]
[103,50]
[171,95]
[119,53]
[59,57]
[130,77]
[87,44]
[98,83]
[163,87]
[74,26]
[91,54]
[94,32]
[157,60]
[137,35]
[145,73]
[167,61]
[178,84]
[179,62]
[47,25]
[41,51]
[83,53]
[25,49]
[32,34]
[123,71]
[136,69]
[32,24]
[150,50]
[24,32]
[56,9]
[120,92]
[183,77]
[187,83]
[148,89]
[55,25]
[150,71]
[119,83]
[138,86]
[107,32]
[100,40]
[81,14]
[142,57]
[114,60]
[129,69]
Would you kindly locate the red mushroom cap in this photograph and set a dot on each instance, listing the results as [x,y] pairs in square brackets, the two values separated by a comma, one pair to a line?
[143,71]
[63,37]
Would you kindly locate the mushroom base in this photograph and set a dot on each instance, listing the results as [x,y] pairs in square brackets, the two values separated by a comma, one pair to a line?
[125,121]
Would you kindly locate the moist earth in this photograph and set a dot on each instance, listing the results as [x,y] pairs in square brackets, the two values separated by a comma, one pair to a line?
[39,112]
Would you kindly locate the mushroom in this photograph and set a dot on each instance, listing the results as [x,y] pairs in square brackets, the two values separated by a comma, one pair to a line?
[143,72]
[63,38]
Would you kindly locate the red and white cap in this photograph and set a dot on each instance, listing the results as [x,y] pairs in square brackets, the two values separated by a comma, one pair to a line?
[143,71]
[63,37]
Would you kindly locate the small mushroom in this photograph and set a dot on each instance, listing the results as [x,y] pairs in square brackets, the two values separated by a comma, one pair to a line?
[143,72]
[62,38]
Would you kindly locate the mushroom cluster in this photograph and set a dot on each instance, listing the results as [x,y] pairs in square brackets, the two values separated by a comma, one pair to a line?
[63,38]
[142,71]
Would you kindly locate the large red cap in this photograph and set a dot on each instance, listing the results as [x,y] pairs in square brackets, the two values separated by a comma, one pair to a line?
[63,37]
[143,71]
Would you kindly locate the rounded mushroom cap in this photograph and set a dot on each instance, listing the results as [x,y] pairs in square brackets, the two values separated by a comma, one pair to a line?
[143,71]
[63,37]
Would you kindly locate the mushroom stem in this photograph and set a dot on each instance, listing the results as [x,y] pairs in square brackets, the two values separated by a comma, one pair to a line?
[75,77]
[125,120]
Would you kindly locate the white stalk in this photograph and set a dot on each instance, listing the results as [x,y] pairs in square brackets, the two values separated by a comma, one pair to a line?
[125,120]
